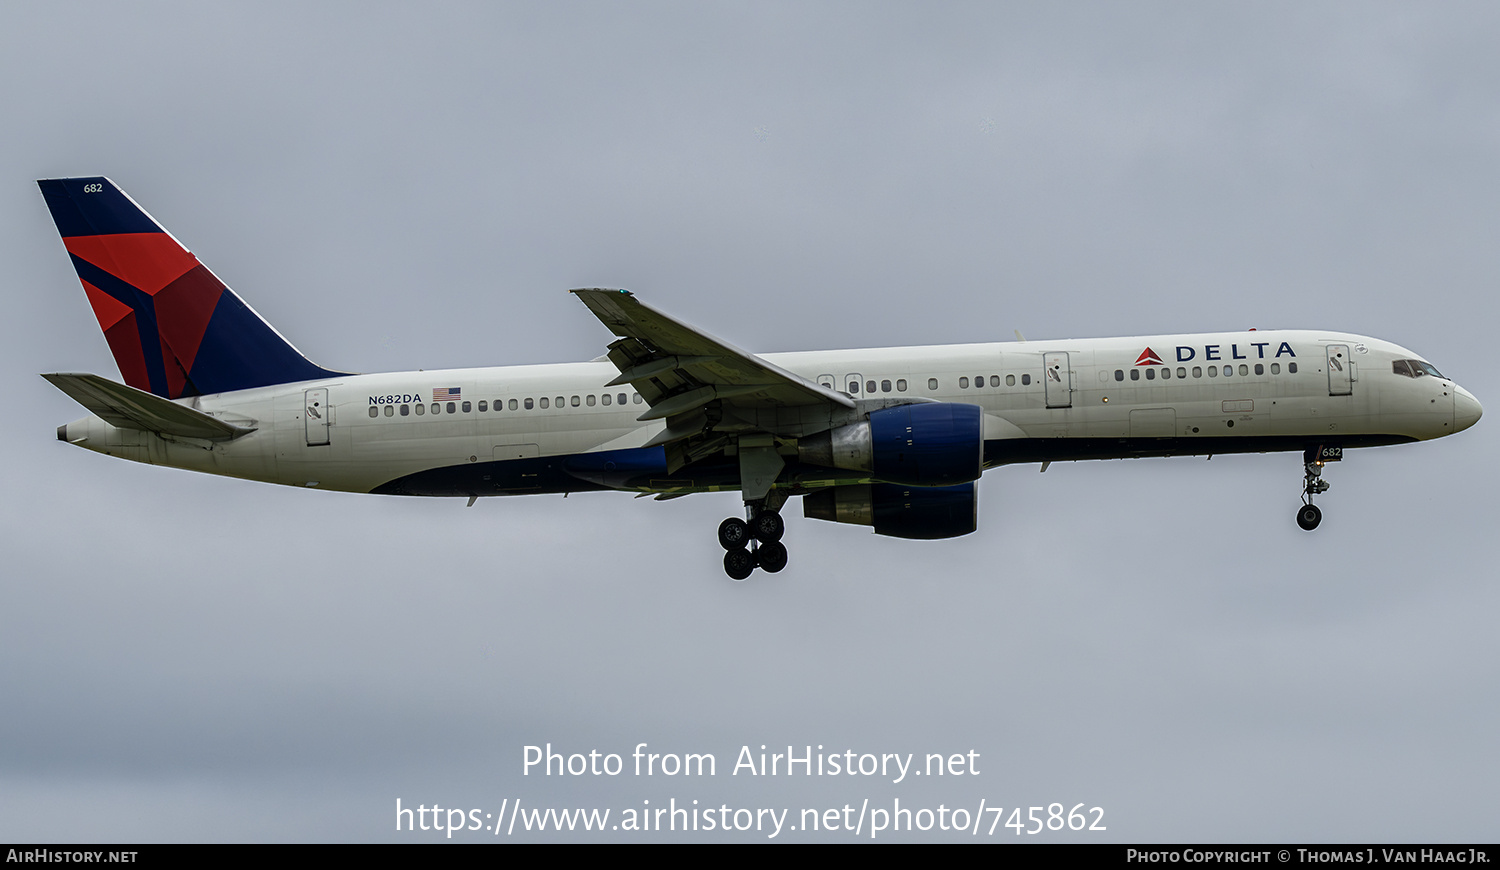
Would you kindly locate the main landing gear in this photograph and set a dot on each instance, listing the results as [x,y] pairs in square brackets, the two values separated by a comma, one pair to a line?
[760,532]
[1308,516]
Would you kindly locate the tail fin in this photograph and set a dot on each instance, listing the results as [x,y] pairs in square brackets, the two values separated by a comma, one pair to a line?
[174,328]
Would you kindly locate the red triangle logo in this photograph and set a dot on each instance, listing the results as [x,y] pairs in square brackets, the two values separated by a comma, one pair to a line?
[1148,357]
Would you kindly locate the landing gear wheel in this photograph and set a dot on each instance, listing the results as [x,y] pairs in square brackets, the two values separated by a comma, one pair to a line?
[738,564]
[767,527]
[771,557]
[733,535]
[1308,517]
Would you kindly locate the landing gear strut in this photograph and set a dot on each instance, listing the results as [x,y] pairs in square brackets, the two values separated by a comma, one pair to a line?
[755,542]
[1308,516]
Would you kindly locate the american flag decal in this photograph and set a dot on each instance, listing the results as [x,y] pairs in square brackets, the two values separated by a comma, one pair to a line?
[445,394]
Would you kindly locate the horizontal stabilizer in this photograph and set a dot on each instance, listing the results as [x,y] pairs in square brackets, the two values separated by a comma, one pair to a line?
[128,408]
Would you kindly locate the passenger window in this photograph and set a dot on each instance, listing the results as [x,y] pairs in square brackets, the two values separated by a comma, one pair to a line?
[1228,370]
[994,380]
[483,406]
[1197,371]
[436,408]
[979,380]
[544,403]
[374,412]
[963,383]
[1244,370]
[1260,369]
[589,400]
[620,399]
[1025,380]
[559,401]
[635,397]
[932,383]
[869,386]
[574,401]
[1181,372]
[468,406]
[1291,368]
[1213,371]
[606,398]
[1010,380]
[406,410]
[1150,374]
[390,410]
[1166,373]
[1119,375]
[854,388]
[901,385]
[1135,374]
[885,386]
[1275,368]
[421,409]
[452,409]
[530,404]
[512,404]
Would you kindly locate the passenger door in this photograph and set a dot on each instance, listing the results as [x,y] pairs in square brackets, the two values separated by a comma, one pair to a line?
[315,416]
[1340,370]
[1059,380]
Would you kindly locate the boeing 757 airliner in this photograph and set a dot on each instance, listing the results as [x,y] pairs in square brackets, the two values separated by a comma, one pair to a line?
[893,438]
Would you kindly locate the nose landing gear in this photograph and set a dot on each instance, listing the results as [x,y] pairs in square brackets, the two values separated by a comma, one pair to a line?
[754,542]
[1308,516]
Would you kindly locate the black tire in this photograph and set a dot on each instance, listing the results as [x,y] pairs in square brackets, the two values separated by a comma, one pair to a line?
[771,557]
[738,564]
[1308,517]
[767,527]
[734,534]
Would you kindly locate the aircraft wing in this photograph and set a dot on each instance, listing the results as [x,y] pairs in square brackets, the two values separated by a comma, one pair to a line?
[128,408]
[679,369]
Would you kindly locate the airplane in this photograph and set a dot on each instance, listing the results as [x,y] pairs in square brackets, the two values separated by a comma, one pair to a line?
[892,438]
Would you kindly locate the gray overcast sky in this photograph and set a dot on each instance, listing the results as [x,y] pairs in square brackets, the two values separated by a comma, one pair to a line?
[185,657]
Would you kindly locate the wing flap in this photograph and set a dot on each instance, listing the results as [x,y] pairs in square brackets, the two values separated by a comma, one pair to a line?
[128,408]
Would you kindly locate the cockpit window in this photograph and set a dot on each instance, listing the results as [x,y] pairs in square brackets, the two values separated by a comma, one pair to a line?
[1415,368]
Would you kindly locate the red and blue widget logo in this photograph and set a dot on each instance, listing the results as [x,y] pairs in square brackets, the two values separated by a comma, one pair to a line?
[1148,357]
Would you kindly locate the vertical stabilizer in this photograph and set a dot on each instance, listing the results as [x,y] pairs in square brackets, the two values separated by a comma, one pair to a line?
[174,328]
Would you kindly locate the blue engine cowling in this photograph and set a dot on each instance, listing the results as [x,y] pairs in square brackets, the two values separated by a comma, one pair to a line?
[926,444]
[918,512]
[931,444]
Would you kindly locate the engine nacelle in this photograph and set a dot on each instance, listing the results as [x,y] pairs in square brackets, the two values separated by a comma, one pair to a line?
[920,512]
[936,444]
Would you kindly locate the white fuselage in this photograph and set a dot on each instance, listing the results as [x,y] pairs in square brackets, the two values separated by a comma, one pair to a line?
[1214,392]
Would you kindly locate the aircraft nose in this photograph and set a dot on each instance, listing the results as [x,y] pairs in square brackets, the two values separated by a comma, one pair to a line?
[1466,409]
